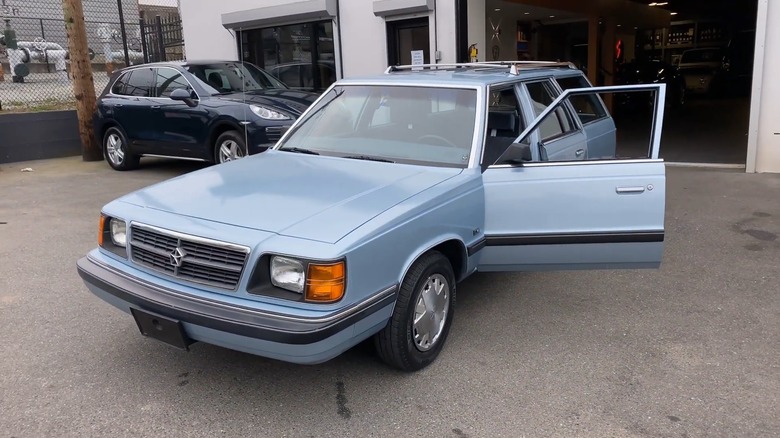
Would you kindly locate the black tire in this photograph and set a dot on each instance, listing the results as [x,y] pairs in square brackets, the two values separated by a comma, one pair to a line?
[229,137]
[115,150]
[395,344]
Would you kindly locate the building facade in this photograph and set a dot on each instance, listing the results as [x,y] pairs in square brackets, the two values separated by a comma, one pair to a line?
[311,43]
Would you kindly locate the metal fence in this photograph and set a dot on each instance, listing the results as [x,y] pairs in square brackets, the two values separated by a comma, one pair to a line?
[35,73]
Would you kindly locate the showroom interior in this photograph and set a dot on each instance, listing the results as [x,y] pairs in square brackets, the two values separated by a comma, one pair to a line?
[638,41]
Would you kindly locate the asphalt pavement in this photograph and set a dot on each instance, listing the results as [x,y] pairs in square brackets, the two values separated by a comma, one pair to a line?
[690,350]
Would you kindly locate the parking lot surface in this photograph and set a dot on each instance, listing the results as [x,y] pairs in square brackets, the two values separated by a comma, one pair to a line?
[690,350]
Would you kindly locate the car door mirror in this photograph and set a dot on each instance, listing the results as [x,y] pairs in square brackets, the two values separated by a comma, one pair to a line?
[182,95]
[518,153]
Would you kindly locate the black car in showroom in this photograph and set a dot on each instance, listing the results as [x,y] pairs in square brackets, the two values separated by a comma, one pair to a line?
[649,71]
[214,111]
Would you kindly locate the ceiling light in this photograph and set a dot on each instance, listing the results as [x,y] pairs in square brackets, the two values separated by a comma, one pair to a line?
[658,4]
[497,9]
[673,13]
[552,16]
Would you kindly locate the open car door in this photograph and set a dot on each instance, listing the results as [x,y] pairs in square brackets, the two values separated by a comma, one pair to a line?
[598,213]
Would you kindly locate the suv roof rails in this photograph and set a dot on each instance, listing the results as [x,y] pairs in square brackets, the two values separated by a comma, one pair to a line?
[513,66]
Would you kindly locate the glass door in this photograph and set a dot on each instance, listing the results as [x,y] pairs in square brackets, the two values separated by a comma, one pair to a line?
[405,37]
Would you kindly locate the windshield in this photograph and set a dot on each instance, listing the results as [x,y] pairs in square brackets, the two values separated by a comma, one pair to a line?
[413,125]
[233,77]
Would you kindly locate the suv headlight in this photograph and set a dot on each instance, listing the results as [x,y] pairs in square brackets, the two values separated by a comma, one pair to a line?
[317,282]
[267,113]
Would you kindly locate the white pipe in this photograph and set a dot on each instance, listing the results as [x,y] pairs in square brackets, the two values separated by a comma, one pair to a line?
[58,56]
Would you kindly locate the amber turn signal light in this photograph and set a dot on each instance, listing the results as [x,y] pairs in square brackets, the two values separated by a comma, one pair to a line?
[101,229]
[325,283]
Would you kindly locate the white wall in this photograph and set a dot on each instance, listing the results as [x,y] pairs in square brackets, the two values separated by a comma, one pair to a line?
[204,35]
[363,39]
[446,33]
[476,28]
[766,94]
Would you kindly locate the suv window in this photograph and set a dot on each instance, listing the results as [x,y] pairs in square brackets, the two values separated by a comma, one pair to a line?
[167,80]
[120,86]
[556,125]
[136,83]
[589,107]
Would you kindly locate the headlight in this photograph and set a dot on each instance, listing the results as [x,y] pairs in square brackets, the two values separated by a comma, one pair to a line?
[317,282]
[288,274]
[118,232]
[267,114]
[112,235]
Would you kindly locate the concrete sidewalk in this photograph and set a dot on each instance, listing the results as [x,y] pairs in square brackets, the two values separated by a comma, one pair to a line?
[690,350]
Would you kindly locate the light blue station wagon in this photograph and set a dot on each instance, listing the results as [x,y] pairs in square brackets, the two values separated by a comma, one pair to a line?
[385,194]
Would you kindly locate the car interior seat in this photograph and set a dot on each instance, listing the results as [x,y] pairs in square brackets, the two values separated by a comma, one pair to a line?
[502,129]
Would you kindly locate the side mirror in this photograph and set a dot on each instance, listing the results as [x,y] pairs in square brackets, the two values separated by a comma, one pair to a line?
[517,153]
[182,95]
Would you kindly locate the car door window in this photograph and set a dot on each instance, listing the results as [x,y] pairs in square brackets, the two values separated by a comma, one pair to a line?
[140,83]
[167,80]
[589,107]
[120,86]
[504,123]
[560,123]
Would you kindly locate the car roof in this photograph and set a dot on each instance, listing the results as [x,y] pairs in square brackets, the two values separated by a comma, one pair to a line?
[468,74]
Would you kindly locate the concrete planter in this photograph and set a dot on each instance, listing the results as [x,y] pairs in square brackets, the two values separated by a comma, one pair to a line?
[37,136]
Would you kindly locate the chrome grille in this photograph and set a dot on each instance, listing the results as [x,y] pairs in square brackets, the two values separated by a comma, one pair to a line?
[201,261]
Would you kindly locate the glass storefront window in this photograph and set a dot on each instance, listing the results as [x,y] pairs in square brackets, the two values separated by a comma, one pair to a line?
[300,55]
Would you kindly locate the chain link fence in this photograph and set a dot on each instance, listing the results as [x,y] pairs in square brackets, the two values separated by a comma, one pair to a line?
[34,60]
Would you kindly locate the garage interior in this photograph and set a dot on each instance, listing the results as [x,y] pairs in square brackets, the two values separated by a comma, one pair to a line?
[639,41]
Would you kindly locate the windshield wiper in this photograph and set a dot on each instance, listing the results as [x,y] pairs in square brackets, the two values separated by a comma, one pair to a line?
[368,158]
[300,151]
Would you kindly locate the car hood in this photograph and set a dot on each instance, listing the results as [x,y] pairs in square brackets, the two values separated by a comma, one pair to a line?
[305,196]
[294,102]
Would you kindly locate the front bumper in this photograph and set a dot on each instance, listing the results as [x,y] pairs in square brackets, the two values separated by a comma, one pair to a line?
[289,338]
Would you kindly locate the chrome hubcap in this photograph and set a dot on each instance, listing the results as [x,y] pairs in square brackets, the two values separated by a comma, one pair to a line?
[430,312]
[229,150]
[115,149]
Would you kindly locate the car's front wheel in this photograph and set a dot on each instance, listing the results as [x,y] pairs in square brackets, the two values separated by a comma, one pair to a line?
[116,151]
[422,317]
[230,146]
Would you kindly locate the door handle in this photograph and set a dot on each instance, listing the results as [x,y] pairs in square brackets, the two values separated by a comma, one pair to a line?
[579,152]
[629,190]
[155,106]
[119,105]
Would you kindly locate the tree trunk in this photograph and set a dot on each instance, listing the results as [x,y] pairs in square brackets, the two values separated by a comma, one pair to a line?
[83,82]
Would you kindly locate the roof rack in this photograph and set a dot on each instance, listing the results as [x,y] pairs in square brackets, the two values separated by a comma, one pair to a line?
[513,66]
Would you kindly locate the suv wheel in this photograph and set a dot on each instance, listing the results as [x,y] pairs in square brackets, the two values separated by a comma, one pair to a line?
[422,317]
[116,152]
[229,146]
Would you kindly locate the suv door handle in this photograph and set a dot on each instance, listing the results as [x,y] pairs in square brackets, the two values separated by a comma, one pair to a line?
[579,152]
[629,190]
[155,106]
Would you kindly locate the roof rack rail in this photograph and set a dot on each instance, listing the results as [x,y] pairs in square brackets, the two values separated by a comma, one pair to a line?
[513,66]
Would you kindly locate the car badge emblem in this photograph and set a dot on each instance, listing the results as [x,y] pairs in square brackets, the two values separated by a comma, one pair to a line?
[177,257]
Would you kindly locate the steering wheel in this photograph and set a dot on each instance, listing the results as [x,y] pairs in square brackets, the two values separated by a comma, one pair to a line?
[439,138]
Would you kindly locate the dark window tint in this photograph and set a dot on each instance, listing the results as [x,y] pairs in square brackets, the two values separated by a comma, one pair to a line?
[167,80]
[140,83]
[588,107]
[120,86]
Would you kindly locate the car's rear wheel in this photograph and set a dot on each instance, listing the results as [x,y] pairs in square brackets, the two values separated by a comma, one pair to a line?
[116,151]
[418,329]
[230,146]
